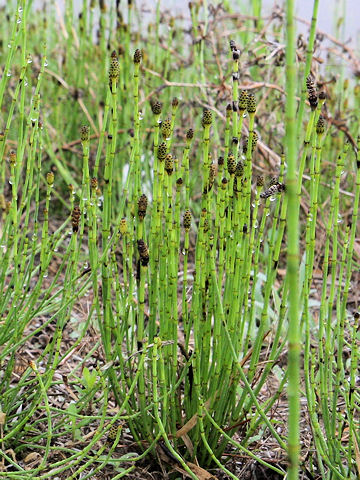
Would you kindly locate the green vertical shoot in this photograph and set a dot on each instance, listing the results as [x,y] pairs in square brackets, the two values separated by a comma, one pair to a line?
[294,342]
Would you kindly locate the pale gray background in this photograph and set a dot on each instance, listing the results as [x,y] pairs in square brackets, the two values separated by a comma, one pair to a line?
[327,11]
[326,14]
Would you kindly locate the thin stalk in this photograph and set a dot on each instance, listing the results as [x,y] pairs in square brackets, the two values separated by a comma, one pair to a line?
[294,338]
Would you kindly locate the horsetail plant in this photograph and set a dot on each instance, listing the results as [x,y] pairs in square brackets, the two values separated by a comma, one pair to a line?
[294,337]
[145,286]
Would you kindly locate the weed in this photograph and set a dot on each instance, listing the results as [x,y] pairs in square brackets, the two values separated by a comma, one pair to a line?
[154,280]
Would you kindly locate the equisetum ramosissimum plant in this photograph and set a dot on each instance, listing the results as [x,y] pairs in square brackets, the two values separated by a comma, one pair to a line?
[177,257]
